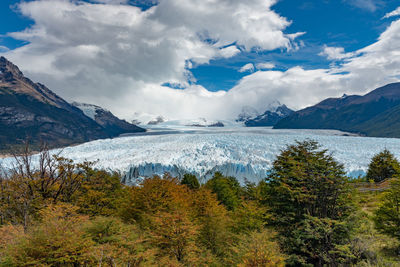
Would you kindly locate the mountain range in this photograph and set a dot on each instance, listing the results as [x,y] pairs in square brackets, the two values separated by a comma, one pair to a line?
[31,112]
[375,114]
[274,113]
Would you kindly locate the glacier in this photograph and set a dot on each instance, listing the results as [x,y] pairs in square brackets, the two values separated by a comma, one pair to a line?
[245,153]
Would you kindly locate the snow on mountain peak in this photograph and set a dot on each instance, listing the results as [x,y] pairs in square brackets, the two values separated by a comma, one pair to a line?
[89,109]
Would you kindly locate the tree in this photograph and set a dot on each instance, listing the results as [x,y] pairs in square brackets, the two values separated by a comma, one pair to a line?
[387,216]
[258,248]
[174,234]
[57,239]
[190,180]
[306,187]
[117,243]
[383,166]
[100,193]
[228,190]
[36,181]
[154,195]
[215,223]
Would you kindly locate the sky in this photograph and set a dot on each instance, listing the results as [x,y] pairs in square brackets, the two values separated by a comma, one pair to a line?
[185,59]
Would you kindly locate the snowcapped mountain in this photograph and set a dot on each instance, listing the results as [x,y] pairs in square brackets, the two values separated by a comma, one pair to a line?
[141,118]
[247,113]
[274,113]
[112,125]
[269,118]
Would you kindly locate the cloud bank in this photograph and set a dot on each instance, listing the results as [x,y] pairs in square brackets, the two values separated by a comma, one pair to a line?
[118,56]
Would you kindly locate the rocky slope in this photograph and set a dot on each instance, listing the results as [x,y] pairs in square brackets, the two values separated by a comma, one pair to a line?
[274,113]
[111,124]
[269,118]
[374,114]
[30,111]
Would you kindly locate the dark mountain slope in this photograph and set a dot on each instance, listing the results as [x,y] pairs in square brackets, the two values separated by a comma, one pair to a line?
[30,111]
[374,114]
[111,124]
[269,117]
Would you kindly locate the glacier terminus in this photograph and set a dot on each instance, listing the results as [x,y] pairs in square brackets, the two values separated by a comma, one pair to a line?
[245,153]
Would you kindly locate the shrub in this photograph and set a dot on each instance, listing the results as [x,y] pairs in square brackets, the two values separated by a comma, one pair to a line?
[383,166]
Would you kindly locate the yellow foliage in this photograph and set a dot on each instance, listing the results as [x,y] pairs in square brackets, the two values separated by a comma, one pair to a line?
[259,249]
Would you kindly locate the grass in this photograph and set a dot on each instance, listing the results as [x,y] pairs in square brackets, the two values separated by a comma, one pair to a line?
[385,248]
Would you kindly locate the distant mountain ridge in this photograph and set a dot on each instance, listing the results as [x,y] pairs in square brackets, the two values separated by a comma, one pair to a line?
[111,124]
[31,111]
[375,114]
[274,113]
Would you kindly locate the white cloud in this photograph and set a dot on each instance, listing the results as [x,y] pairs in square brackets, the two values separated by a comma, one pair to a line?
[247,68]
[118,56]
[335,53]
[3,49]
[374,66]
[265,66]
[394,13]
[369,5]
[229,51]
[111,1]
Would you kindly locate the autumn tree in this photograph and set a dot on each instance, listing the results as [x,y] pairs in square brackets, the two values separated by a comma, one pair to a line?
[36,181]
[258,248]
[383,166]
[57,239]
[154,195]
[117,243]
[174,234]
[100,193]
[48,175]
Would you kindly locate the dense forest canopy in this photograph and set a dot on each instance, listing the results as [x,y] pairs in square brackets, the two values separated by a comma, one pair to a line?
[305,213]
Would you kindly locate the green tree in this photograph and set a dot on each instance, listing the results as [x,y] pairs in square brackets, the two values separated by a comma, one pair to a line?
[215,223]
[387,216]
[228,190]
[383,166]
[190,180]
[307,187]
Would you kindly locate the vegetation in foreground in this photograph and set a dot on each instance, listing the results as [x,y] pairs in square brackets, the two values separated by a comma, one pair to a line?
[306,213]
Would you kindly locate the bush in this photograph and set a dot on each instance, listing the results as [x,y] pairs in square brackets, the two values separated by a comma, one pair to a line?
[387,216]
[383,166]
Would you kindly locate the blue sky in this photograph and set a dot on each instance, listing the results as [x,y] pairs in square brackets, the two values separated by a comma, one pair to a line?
[108,52]
[326,22]
[345,23]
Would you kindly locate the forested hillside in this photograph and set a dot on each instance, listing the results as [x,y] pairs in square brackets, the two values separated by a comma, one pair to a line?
[306,213]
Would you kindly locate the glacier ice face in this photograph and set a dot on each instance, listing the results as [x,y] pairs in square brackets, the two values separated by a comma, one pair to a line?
[245,153]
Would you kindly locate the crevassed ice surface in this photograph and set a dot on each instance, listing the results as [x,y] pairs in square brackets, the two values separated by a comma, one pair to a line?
[238,151]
